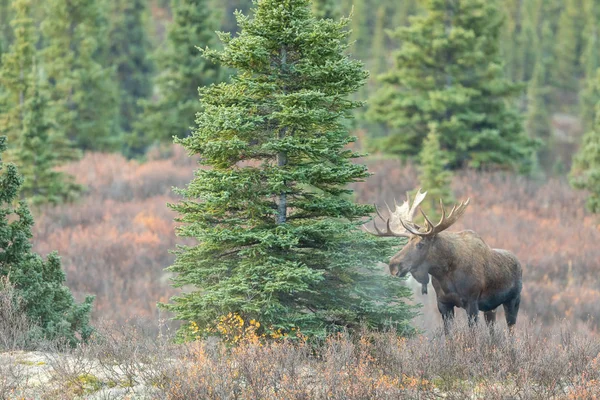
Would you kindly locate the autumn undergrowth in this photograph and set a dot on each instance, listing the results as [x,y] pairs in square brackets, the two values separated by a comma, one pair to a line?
[532,363]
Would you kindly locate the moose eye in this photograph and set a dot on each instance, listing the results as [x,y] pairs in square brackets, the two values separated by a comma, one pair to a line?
[420,245]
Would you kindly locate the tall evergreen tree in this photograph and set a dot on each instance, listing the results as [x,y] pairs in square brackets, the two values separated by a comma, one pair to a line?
[37,146]
[83,90]
[590,60]
[448,71]
[40,283]
[402,11]
[129,49]
[585,172]
[538,116]
[277,233]
[6,16]
[378,45]
[568,47]
[509,44]
[528,36]
[433,175]
[39,149]
[552,11]
[183,71]
[15,71]
[518,35]
[539,102]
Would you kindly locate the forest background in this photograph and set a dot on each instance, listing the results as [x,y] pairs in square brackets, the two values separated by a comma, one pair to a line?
[116,79]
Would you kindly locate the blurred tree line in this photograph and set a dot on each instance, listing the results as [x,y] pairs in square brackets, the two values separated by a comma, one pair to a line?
[508,84]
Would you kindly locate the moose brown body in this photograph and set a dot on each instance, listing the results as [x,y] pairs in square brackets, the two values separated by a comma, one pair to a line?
[465,271]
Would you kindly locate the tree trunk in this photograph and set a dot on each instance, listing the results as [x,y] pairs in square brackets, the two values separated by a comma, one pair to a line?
[282,157]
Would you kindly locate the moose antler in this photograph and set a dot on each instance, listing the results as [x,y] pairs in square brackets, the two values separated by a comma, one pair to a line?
[445,222]
[394,225]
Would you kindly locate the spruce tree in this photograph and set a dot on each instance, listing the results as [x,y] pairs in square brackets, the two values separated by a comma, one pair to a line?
[448,71]
[326,8]
[509,44]
[40,283]
[15,70]
[183,71]
[528,36]
[433,175]
[518,35]
[37,147]
[590,60]
[539,118]
[6,16]
[277,231]
[567,48]
[402,11]
[585,172]
[378,45]
[84,92]
[128,52]
[552,11]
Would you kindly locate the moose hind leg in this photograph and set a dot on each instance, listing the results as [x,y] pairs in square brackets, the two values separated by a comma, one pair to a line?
[511,309]
[447,312]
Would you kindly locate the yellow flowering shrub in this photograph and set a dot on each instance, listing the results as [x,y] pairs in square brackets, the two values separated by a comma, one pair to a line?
[234,330]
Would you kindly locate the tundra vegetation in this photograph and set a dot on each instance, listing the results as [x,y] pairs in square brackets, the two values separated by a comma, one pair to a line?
[132,362]
[459,79]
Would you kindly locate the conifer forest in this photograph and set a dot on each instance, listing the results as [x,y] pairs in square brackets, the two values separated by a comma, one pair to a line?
[203,199]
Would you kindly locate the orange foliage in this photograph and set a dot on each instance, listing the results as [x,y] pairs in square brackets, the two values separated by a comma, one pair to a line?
[115,242]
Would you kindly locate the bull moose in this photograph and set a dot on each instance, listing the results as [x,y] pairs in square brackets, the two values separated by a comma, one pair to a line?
[465,271]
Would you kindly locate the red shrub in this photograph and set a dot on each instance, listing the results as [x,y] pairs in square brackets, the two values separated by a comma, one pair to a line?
[115,241]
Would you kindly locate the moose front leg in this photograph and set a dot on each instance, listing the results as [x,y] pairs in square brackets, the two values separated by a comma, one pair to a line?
[472,312]
[447,311]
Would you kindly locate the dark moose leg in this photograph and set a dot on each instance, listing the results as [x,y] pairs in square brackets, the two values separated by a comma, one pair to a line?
[447,312]
[490,320]
[511,309]
[490,317]
[472,313]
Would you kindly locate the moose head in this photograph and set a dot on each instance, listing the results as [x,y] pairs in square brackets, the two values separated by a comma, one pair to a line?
[423,249]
